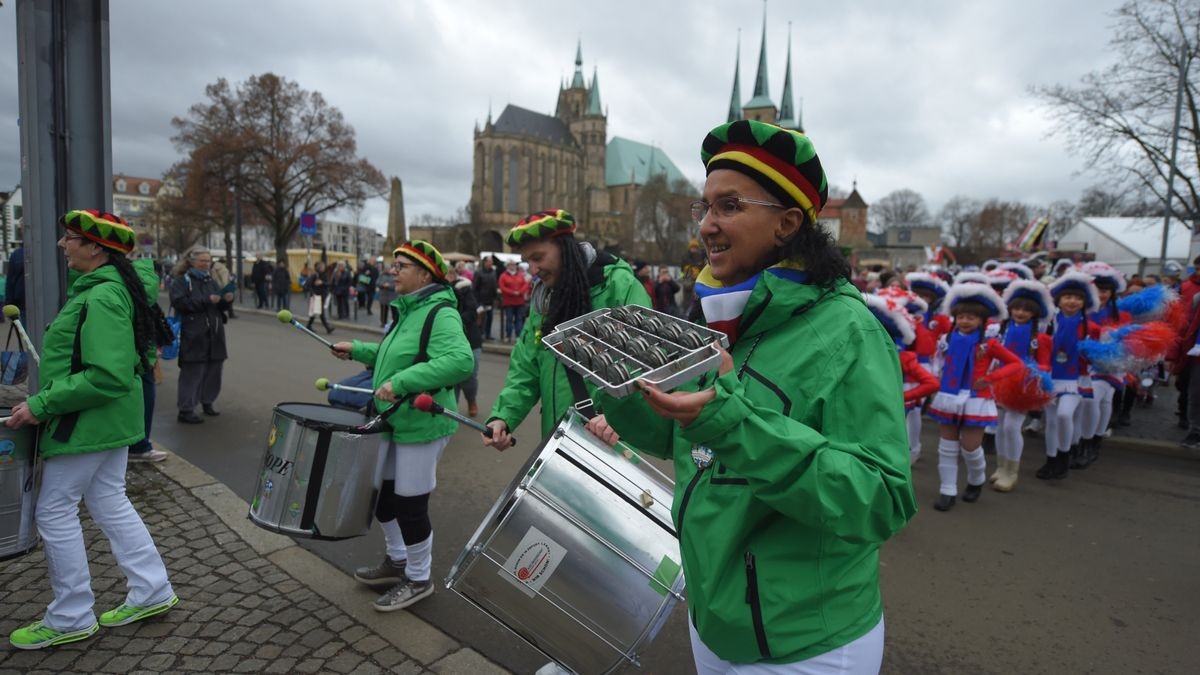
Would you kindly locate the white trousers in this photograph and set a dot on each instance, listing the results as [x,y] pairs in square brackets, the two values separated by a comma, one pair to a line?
[1060,423]
[1009,442]
[412,465]
[863,656]
[98,478]
[1097,411]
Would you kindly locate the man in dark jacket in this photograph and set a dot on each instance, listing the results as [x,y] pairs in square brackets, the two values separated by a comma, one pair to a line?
[485,292]
[366,279]
[259,275]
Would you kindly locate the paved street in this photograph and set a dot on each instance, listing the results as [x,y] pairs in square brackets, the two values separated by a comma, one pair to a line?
[1093,574]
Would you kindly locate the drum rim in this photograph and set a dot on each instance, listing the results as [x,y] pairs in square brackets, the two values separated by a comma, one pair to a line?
[324,426]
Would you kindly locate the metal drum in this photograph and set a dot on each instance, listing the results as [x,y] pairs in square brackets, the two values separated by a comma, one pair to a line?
[321,474]
[579,556]
[18,489]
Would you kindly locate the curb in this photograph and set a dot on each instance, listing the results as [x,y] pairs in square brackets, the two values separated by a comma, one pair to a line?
[1152,446]
[413,636]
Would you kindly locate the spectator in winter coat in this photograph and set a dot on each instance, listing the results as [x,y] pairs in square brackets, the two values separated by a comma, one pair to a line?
[281,283]
[196,297]
[514,293]
[260,274]
[664,293]
[485,284]
[340,282]
[465,293]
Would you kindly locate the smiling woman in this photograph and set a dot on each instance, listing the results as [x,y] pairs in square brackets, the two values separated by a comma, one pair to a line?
[793,462]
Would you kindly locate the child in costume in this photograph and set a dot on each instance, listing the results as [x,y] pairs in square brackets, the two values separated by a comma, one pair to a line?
[1029,303]
[1097,410]
[1075,295]
[892,307]
[933,323]
[963,404]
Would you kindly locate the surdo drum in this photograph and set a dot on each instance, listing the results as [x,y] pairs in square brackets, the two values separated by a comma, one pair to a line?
[18,490]
[320,475]
[579,556]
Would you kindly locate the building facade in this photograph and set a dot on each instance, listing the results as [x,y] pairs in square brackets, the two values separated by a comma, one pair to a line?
[525,161]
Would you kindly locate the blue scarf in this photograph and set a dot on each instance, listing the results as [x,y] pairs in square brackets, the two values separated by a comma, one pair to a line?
[723,305]
[960,361]
[199,273]
[1018,338]
[1064,352]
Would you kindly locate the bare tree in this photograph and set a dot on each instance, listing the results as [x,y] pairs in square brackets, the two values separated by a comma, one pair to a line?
[901,208]
[1062,215]
[662,217]
[1120,119]
[999,223]
[1098,202]
[958,219]
[285,149]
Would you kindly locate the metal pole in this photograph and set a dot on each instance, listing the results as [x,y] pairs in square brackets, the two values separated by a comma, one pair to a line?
[1183,65]
[237,223]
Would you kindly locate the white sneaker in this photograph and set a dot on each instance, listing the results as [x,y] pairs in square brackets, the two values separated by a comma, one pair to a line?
[151,456]
[1033,426]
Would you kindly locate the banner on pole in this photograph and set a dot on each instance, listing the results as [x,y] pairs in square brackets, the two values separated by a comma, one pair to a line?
[308,224]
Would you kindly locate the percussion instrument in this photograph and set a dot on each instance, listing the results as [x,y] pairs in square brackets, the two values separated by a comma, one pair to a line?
[18,490]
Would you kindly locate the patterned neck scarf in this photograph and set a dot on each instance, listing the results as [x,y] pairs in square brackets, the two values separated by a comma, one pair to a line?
[723,305]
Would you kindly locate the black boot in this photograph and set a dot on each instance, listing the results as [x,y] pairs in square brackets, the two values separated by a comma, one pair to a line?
[972,492]
[1047,470]
[1093,451]
[944,502]
[1077,460]
[1062,463]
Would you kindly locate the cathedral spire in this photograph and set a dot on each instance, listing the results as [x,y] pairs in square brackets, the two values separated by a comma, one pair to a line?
[762,94]
[577,81]
[786,113]
[593,106]
[735,99]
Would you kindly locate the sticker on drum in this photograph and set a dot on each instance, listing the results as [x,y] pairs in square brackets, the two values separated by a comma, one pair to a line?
[532,562]
[7,450]
[271,437]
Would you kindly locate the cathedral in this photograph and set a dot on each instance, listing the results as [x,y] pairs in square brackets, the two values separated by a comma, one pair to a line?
[526,161]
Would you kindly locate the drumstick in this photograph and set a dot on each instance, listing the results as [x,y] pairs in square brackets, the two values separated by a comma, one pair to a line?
[14,314]
[285,316]
[5,419]
[425,403]
[323,384]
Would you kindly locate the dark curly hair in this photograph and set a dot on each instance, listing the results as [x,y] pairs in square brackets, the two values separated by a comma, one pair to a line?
[815,248]
[143,320]
[571,297]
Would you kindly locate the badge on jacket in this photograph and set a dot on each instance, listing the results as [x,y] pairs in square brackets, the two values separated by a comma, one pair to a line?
[702,456]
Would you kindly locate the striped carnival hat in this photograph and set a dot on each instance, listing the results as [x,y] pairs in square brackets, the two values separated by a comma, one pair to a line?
[1020,269]
[980,293]
[782,161]
[1104,274]
[542,224]
[927,281]
[425,255]
[103,229]
[1081,283]
[971,277]
[1000,279]
[891,313]
[1034,291]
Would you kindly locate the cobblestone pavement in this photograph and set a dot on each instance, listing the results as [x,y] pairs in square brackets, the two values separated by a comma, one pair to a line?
[239,611]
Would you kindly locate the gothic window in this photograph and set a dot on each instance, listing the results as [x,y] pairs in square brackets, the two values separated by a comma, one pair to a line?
[498,180]
[514,181]
[542,179]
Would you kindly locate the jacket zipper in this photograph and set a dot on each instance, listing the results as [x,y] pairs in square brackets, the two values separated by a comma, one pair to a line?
[760,633]
[683,503]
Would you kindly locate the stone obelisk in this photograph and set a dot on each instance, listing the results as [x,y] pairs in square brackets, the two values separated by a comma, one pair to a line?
[397,232]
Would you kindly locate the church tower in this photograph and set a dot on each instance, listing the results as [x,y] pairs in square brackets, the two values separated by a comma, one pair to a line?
[760,106]
[572,100]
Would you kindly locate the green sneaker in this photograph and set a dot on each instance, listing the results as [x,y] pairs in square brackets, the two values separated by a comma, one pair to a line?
[125,614]
[38,636]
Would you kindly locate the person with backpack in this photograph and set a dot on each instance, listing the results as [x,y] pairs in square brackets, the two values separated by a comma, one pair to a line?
[425,351]
[88,411]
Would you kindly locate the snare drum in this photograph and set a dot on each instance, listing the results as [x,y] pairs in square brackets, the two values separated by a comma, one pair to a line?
[579,556]
[18,490]
[320,476]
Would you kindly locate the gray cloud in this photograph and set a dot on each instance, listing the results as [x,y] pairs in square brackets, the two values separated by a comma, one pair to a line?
[928,95]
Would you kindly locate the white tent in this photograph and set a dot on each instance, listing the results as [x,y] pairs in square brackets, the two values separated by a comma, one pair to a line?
[1132,245]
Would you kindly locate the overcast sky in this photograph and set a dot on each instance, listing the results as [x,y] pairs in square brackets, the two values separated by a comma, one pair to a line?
[930,95]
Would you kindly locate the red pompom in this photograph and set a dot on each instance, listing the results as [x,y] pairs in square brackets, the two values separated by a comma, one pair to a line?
[1151,341]
[1176,316]
[1021,389]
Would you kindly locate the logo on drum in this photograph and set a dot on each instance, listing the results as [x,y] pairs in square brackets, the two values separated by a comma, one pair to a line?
[533,561]
[279,465]
[7,450]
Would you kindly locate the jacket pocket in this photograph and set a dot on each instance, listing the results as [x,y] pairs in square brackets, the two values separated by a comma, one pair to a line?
[66,427]
[752,599]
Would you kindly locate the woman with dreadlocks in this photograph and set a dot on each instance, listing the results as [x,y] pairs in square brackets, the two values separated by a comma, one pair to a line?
[89,409]
[573,279]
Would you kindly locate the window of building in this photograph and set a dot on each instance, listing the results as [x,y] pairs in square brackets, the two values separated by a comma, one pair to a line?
[514,182]
[144,188]
[121,185]
[498,180]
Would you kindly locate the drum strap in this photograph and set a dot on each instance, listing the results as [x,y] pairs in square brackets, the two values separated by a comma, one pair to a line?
[422,349]
[66,424]
[583,401]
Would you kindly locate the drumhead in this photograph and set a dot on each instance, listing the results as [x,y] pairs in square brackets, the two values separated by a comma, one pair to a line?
[323,417]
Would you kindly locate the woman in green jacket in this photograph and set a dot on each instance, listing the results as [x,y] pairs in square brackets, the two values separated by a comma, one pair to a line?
[791,461]
[573,279]
[89,409]
[425,304]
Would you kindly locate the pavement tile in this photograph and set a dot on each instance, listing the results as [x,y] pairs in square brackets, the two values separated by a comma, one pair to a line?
[292,622]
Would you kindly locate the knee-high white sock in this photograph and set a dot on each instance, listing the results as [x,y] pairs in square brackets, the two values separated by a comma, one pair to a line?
[420,560]
[948,466]
[913,419]
[976,466]
[394,540]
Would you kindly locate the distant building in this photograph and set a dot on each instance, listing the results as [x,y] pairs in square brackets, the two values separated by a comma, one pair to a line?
[905,246]
[526,161]
[1132,245]
[362,241]
[134,198]
[846,220]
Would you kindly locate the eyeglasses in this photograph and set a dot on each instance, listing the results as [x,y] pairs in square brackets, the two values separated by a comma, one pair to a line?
[71,236]
[397,266]
[726,207]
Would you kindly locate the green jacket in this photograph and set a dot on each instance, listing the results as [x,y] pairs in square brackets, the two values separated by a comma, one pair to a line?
[99,406]
[145,271]
[533,373]
[809,474]
[450,362]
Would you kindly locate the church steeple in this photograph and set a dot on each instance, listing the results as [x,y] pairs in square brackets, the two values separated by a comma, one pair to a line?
[593,106]
[760,106]
[577,81]
[786,114]
[735,99]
